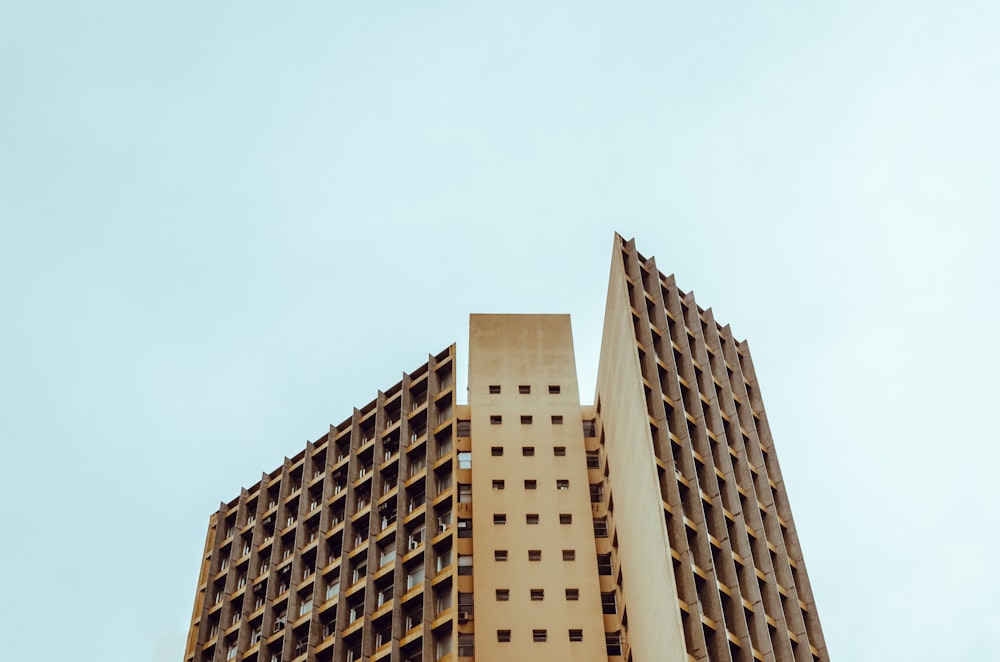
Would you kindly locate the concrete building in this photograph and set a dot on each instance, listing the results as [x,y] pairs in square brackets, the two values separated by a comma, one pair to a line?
[651,526]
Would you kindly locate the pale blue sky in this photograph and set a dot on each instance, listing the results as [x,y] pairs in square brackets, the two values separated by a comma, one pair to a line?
[225,224]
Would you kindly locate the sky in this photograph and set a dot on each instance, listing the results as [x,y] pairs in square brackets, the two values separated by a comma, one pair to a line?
[225,224]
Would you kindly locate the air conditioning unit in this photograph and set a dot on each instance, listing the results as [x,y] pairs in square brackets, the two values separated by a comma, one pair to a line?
[464,617]
[442,525]
[413,543]
[279,625]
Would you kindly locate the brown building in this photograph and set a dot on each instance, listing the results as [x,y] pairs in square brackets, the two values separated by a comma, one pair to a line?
[651,526]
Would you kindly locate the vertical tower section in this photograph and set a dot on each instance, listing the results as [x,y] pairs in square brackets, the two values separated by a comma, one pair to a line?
[535,576]
[706,553]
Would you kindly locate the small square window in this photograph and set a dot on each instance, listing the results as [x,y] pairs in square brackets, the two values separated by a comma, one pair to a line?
[553,389]
[503,595]
[539,636]
[531,484]
[565,518]
[524,389]
[576,635]
[537,594]
[498,484]
[499,518]
[531,519]
[503,636]
[496,420]
[496,451]
[528,451]
[557,420]
[494,388]
[569,555]
[500,555]
[534,555]
[572,594]
[559,451]
[562,484]
[526,420]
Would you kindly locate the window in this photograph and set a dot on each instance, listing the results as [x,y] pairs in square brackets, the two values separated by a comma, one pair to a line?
[494,388]
[524,389]
[539,636]
[601,527]
[498,484]
[590,428]
[465,460]
[604,566]
[496,451]
[576,635]
[499,518]
[553,389]
[528,451]
[500,555]
[537,594]
[534,555]
[565,518]
[531,519]
[608,602]
[569,555]
[559,451]
[465,564]
[503,595]
[503,636]
[593,459]
[464,493]
[466,645]
[596,492]
[464,528]
[572,594]
[526,420]
[562,484]
[496,420]
[530,484]
[557,420]
[614,643]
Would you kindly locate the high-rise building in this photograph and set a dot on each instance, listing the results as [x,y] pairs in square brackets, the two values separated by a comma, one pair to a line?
[652,525]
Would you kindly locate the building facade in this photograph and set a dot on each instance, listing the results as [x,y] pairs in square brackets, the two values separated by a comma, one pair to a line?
[651,525]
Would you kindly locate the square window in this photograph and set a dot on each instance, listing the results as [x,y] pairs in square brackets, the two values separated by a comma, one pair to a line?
[496,420]
[498,484]
[534,555]
[524,389]
[465,460]
[494,388]
[559,451]
[530,484]
[569,555]
[528,451]
[562,484]
[526,420]
[500,555]
[576,635]
[553,389]
[539,636]
[496,451]
[572,594]
[503,595]
[537,594]
[557,420]
[531,518]
[499,518]
[503,636]
[565,518]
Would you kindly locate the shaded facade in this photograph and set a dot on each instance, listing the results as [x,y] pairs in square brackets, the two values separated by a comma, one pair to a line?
[652,525]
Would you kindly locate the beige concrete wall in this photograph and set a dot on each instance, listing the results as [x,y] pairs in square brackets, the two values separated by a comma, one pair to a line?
[655,632]
[535,351]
